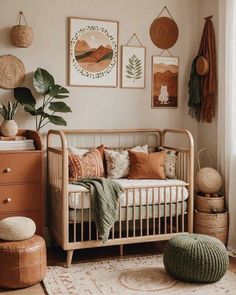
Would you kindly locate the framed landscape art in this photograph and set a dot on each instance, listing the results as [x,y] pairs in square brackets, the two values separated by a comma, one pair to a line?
[93,52]
[133,66]
[165,81]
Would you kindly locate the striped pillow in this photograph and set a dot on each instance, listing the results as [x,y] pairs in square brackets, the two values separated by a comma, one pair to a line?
[88,165]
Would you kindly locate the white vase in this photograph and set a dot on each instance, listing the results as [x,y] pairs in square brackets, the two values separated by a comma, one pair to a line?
[9,128]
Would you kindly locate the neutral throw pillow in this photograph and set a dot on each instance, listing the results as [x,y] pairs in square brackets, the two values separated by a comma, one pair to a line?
[147,166]
[117,162]
[88,165]
[16,228]
[170,162]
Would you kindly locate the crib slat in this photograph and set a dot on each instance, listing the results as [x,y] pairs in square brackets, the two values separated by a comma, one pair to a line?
[127,212]
[176,210]
[153,212]
[90,217]
[165,225]
[74,224]
[120,225]
[182,209]
[140,210]
[133,212]
[147,213]
[82,216]
[159,211]
[171,223]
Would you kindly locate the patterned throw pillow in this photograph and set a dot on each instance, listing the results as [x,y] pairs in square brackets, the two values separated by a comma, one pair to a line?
[88,165]
[118,163]
[170,162]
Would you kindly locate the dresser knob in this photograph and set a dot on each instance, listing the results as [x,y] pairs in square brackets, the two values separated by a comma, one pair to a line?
[8,200]
[8,169]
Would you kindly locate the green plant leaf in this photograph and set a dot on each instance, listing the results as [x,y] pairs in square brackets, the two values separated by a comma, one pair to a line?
[56,120]
[30,109]
[60,107]
[58,91]
[24,96]
[43,81]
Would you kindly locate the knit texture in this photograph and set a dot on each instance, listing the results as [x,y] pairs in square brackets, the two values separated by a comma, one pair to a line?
[196,258]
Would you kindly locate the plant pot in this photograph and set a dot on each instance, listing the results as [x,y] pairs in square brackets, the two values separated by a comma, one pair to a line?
[9,128]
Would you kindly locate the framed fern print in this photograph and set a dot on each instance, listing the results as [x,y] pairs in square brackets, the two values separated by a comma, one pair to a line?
[93,52]
[133,66]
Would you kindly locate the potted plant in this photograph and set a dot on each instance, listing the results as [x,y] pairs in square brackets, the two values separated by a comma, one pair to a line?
[44,113]
[8,112]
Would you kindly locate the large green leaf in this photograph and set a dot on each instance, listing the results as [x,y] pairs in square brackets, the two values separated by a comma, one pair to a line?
[56,120]
[58,91]
[24,96]
[43,81]
[60,107]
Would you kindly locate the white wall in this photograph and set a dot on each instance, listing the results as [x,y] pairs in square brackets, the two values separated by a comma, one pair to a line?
[103,107]
[207,133]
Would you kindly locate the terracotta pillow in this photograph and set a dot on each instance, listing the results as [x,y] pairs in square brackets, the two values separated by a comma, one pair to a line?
[88,165]
[147,166]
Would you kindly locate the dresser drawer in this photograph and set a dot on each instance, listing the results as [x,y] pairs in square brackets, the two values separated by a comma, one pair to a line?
[35,216]
[20,167]
[20,197]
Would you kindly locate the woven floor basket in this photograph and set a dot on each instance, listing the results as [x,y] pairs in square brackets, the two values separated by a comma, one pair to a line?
[196,258]
[21,36]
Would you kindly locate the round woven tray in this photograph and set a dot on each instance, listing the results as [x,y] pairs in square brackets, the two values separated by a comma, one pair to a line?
[164,32]
[12,71]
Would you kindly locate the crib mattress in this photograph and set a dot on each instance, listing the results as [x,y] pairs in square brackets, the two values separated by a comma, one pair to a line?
[79,196]
[134,212]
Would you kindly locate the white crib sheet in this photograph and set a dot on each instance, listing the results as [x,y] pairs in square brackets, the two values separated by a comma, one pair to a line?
[161,195]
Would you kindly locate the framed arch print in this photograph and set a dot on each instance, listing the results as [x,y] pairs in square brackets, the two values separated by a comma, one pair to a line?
[93,52]
[165,81]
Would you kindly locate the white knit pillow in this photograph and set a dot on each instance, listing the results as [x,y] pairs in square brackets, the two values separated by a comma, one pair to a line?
[17,228]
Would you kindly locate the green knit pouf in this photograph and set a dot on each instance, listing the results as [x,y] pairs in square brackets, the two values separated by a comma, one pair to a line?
[196,258]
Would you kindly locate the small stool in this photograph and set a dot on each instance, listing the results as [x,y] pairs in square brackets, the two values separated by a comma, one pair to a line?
[23,263]
[196,258]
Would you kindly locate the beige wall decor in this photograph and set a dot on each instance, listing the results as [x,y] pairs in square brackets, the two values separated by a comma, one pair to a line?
[93,52]
[133,65]
[165,81]
[21,35]
[164,31]
[12,71]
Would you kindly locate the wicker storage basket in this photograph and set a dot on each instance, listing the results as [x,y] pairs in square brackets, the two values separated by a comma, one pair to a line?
[215,225]
[21,36]
[209,204]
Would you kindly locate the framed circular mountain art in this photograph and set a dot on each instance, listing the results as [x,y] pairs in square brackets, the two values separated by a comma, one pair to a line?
[93,52]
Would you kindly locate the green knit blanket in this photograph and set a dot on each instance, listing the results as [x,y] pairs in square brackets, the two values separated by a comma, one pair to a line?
[104,198]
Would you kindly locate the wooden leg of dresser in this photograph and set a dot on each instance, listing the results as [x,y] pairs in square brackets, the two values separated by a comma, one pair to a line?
[69,257]
[121,250]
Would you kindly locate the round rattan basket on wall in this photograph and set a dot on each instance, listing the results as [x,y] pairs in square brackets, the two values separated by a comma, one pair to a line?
[21,35]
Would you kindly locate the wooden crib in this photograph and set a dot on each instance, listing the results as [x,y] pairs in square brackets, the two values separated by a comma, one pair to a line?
[148,212]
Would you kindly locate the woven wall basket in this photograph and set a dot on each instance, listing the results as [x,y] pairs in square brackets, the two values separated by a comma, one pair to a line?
[21,36]
[12,71]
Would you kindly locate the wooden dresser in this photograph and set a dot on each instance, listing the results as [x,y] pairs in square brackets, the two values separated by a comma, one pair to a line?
[21,182]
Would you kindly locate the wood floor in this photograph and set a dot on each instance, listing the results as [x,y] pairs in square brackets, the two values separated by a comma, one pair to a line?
[58,257]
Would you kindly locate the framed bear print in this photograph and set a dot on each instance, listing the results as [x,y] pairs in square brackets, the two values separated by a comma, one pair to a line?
[165,81]
[93,50]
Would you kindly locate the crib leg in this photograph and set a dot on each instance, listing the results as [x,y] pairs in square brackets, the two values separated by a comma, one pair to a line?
[121,250]
[69,257]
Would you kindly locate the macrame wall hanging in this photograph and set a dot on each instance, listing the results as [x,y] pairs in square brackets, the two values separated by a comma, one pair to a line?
[203,83]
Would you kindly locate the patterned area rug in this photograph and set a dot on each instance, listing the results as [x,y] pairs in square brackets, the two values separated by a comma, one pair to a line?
[131,276]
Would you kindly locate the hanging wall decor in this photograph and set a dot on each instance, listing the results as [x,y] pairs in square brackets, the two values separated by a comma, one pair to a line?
[12,71]
[21,35]
[164,31]
[164,81]
[133,65]
[93,52]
